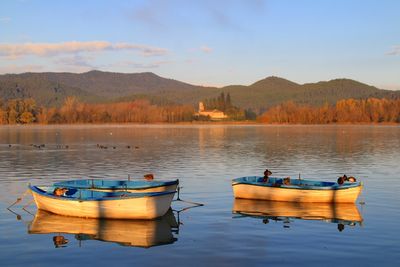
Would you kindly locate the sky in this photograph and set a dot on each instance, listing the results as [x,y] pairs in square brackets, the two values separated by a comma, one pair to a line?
[206,42]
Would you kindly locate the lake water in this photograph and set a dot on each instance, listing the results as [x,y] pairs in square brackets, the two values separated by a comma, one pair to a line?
[205,158]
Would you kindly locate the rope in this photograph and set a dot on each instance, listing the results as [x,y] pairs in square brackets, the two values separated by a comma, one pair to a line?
[19,217]
[186,201]
[29,203]
[27,211]
[19,199]
[362,197]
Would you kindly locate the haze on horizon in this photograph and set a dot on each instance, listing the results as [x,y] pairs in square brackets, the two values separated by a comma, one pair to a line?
[206,42]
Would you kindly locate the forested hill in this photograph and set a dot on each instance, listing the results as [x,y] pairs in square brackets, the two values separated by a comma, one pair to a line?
[111,84]
[50,89]
[273,91]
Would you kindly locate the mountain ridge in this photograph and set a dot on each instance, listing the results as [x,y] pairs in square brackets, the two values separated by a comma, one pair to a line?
[51,88]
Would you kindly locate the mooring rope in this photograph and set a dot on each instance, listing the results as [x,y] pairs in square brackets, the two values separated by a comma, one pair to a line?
[18,199]
[196,204]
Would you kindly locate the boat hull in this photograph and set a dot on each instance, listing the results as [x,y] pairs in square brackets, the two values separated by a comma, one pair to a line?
[260,191]
[148,207]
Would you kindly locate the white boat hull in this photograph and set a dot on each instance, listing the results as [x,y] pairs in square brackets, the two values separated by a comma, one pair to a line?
[129,208]
[248,191]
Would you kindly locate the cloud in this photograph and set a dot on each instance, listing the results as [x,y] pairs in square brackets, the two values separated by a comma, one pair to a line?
[206,49]
[395,51]
[164,16]
[20,69]
[152,13]
[52,49]
[145,50]
[136,65]
[76,61]
[5,19]
[393,86]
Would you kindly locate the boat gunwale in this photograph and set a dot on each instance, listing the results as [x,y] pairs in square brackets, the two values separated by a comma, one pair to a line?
[335,186]
[70,184]
[123,196]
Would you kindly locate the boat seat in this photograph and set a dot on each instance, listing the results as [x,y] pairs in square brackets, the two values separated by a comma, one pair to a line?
[71,191]
[50,189]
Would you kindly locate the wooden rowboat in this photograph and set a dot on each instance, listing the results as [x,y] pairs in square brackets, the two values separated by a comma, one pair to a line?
[341,213]
[298,190]
[97,204]
[137,233]
[115,185]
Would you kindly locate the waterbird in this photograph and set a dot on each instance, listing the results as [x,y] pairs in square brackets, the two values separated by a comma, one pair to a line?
[60,191]
[267,173]
[344,178]
[149,176]
[59,241]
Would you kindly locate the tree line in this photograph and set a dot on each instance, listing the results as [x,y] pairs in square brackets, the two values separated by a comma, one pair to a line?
[371,110]
[23,111]
[224,103]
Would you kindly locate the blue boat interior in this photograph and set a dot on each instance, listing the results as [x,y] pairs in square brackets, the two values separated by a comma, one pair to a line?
[110,184]
[83,194]
[294,183]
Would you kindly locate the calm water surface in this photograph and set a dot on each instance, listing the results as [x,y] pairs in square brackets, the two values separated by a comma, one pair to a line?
[205,159]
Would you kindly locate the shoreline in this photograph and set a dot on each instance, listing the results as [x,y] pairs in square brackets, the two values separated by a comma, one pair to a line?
[231,123]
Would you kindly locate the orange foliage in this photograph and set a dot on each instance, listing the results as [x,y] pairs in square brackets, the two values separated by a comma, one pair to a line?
[369,110]
[140,111]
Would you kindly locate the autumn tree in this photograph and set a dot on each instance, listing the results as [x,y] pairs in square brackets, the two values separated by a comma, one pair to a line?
[345,111]
[69,110]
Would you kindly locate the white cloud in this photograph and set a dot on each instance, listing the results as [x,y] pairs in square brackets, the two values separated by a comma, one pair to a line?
[206,49]
[395,51]
[52,49]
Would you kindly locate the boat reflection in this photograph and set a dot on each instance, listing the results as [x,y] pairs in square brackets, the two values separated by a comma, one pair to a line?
[340,213]
[137,233]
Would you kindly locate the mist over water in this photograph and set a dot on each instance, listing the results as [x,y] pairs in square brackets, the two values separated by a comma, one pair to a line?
[205,158]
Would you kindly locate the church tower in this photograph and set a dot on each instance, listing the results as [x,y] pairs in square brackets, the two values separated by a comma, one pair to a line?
[201,107]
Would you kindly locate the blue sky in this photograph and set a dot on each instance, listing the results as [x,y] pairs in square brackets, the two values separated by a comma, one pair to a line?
[207,42]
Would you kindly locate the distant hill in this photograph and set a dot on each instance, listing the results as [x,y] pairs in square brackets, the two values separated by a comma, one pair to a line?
[50,89]
[112,85]
[274,90]
[39,87]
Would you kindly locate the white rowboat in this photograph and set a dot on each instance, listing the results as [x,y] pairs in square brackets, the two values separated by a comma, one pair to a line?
[253,187]
[96,204]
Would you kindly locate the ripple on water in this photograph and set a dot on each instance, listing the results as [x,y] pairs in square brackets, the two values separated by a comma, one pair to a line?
[205,158]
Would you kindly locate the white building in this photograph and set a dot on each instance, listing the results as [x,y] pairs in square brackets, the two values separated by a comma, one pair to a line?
[213,114]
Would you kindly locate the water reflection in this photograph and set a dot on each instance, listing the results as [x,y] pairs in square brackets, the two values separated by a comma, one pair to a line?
[205,158]
[137,233]
[340,213]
